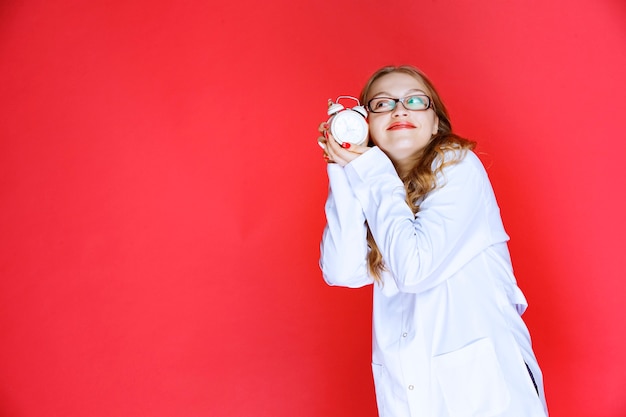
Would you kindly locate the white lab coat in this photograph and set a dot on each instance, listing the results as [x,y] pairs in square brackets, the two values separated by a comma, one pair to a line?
[448,339]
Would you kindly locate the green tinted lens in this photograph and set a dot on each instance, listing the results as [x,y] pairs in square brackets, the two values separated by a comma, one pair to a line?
[416,102]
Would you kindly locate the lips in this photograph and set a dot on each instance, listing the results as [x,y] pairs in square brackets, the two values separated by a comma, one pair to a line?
[401,125]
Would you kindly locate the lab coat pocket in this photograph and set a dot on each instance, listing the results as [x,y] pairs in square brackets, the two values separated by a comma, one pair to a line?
[471,380]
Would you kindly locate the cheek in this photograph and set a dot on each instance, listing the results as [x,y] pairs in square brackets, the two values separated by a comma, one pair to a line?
[375,129]
[429,123]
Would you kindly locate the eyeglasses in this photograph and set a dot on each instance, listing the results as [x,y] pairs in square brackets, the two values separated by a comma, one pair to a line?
[386,104]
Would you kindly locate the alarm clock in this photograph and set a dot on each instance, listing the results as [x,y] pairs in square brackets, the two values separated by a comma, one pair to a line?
[348,124]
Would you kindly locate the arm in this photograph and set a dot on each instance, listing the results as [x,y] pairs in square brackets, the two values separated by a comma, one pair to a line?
[343,249]
[450,229]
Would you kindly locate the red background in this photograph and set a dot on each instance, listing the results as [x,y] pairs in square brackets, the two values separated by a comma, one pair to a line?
[161,196]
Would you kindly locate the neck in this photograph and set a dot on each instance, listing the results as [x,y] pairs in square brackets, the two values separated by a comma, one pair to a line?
[405,165]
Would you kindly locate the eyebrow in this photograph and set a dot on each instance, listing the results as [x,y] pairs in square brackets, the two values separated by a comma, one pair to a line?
[386,94]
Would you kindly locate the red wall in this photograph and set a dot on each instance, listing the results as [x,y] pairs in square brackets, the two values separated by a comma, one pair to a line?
[161,196]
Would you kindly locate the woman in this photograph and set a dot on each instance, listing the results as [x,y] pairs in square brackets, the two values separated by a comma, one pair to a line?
[415,214]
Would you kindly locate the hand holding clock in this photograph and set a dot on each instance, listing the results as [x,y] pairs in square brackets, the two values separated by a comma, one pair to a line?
[345,133]
[334,152]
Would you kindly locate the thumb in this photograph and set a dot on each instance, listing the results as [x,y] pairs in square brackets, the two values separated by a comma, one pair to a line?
[354,148]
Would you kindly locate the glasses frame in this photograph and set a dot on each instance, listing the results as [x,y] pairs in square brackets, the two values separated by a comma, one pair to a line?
[399,100]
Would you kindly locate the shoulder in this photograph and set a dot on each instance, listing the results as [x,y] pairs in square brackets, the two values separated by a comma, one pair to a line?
[461,162]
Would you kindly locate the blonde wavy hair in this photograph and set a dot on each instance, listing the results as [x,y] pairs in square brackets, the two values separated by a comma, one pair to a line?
[421,179]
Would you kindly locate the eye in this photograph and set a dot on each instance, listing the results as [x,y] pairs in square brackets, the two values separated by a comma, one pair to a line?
[417,102]
[382,104]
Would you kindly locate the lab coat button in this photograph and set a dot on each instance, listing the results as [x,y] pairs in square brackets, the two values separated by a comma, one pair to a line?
[405,334]
[411,387]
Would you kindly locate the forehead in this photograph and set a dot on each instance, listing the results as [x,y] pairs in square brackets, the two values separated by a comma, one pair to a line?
[396,84]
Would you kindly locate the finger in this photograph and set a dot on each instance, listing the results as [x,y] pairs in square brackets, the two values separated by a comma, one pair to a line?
[328,151]
[324,126]
[344,153]
[332,143]
[338,150]
[331,148]
[358,149]
[322,141]
[337,154]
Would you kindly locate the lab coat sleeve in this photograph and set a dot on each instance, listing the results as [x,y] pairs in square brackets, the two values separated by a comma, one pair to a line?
[343,259]
[423,250]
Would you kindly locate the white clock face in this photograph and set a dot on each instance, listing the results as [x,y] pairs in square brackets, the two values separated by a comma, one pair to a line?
[349,126]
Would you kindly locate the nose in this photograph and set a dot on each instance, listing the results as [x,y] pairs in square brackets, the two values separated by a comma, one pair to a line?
[399,110]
